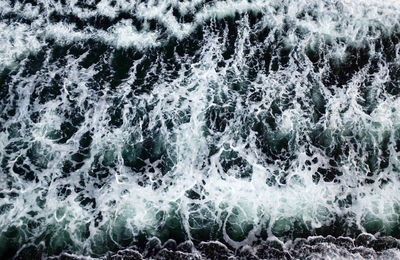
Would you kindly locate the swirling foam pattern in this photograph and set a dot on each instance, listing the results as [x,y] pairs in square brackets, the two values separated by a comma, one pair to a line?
[237,121]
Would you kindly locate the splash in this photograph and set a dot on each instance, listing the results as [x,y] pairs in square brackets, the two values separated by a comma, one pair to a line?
[236,121]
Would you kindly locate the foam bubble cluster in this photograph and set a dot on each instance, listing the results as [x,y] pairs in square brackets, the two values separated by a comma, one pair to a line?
[236,121]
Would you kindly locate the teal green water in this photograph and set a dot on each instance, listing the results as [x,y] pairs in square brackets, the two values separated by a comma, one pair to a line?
[236,121]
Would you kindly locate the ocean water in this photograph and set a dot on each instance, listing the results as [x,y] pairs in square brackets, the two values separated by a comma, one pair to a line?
[240,125]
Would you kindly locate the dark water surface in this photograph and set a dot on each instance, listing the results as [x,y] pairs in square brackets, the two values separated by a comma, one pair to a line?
[270,126]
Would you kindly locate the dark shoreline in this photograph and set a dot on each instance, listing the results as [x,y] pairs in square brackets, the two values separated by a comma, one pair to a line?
[365,246]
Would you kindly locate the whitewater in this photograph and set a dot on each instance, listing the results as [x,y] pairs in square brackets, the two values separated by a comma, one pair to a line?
[175,129]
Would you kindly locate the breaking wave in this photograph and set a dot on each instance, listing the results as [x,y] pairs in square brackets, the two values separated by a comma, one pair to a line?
[244,122]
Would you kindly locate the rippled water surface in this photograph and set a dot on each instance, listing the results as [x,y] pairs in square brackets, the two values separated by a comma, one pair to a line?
[251,123]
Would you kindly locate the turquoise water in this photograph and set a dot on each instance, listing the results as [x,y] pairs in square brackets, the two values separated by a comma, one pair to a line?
[235,121]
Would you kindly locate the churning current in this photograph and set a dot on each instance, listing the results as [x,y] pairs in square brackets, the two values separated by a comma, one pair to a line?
[177,129]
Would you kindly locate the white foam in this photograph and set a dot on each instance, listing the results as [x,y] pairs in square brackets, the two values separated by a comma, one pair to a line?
[126,205]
